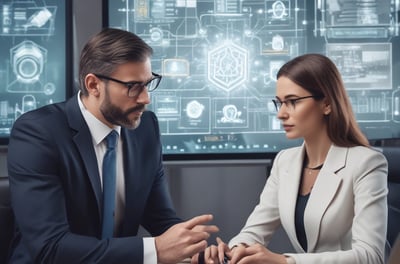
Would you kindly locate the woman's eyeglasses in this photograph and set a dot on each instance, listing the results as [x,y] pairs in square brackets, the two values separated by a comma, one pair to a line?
[136,88]
[291,103]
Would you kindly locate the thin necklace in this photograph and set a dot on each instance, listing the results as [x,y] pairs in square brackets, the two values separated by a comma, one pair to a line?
[311,169]
[316,167]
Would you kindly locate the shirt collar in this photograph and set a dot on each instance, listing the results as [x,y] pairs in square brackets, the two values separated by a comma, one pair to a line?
[98,129]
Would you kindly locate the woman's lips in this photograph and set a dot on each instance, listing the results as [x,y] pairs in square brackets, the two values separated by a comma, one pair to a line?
[287,127]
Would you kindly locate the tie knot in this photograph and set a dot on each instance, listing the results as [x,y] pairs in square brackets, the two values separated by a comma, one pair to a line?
[112,139]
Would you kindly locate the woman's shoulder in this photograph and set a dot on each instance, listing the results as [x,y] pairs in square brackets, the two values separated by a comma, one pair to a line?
[366,151]
[289,153]
[364,155]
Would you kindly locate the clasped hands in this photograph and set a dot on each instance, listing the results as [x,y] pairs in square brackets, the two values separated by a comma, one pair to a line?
[239,254]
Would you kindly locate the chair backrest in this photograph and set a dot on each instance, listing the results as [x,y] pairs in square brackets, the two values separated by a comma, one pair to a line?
[6,220]
[392,155]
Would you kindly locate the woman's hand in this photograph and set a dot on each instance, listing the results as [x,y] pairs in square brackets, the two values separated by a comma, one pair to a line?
[255,254]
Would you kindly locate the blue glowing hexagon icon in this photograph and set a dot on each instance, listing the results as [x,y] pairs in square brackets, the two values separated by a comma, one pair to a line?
[227,66]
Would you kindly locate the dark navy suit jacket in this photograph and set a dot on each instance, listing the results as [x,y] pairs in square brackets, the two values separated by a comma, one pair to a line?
[56,193]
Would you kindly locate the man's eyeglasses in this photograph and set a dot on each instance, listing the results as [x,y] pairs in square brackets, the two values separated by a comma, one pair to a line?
[135,88]
[291,103]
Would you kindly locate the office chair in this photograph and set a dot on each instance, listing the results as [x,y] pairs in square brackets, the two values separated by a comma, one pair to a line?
[6,220]
[392,155]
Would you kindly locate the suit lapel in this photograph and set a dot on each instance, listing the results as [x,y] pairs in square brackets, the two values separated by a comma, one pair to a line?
[83,141]
[290,183]
[130,161]
[325,188]
[132,173]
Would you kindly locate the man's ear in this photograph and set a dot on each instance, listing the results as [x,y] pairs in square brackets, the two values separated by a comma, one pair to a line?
[92,84]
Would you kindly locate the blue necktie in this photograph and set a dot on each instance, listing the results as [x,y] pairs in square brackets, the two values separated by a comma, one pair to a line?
[109,175]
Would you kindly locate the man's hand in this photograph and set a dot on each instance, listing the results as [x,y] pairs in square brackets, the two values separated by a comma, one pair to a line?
[184,240]
[213,254]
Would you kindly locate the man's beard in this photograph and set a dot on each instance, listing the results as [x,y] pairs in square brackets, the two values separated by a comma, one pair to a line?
[116,116]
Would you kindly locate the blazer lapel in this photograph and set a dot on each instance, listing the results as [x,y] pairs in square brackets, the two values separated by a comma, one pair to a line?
[325,188]
[132,173]
[290,182]
[131,166]
[83,140]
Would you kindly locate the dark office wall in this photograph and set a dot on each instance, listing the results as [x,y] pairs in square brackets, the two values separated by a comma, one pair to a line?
[228,190]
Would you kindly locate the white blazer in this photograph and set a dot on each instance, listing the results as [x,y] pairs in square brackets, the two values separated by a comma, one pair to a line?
[346,215]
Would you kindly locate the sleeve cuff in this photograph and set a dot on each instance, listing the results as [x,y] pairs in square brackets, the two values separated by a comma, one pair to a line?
[149,251]
[290,260]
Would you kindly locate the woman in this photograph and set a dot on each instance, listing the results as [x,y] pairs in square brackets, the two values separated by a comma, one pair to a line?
[329,194]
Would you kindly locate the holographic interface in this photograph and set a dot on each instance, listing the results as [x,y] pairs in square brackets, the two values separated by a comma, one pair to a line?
[219,61]
[32,69]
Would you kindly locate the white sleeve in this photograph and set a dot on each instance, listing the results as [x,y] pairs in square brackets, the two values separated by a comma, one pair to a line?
[149,251]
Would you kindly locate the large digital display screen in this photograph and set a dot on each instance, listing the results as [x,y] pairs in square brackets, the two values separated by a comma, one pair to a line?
[34,57]
[219,61]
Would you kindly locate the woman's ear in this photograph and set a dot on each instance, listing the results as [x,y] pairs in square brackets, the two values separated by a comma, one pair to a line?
[326,107]
[92,84]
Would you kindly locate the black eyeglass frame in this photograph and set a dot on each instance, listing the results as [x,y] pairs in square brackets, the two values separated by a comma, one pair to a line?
[137,87]
[278,103]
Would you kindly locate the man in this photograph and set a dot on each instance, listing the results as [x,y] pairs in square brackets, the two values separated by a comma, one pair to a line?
[55,159]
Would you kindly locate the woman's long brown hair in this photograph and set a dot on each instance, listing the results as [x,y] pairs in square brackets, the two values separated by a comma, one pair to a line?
[318,74]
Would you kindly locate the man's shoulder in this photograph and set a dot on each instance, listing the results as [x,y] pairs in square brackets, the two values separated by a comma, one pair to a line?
[44,113]
[148,119]
[149,114]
